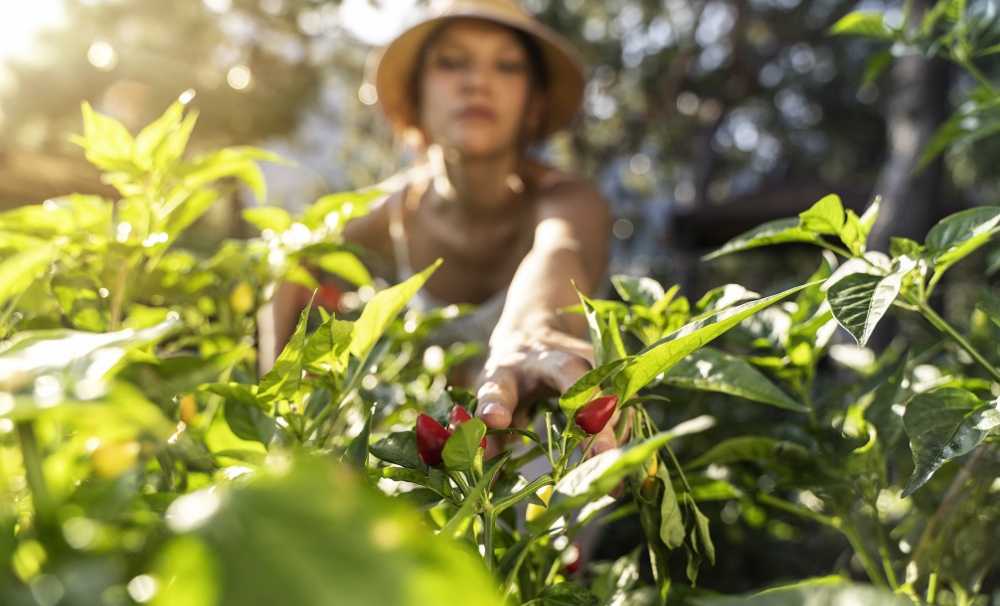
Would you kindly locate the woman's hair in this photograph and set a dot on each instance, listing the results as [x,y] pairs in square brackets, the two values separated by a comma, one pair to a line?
[538,71]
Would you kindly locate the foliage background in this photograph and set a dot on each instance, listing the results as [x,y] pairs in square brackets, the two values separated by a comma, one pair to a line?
[702,118]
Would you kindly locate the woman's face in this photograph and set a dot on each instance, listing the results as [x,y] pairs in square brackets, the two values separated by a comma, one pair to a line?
[475,89]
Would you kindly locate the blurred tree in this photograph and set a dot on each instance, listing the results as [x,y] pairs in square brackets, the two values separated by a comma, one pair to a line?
[716,114]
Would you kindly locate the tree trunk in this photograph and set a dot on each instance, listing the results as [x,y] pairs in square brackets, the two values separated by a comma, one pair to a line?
[917,105]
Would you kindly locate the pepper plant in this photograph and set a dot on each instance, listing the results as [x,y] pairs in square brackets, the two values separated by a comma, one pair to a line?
[143,459]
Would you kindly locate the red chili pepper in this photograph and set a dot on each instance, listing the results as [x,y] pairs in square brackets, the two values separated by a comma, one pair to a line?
[328,297]
[458,416]
[595,414]
[431,437]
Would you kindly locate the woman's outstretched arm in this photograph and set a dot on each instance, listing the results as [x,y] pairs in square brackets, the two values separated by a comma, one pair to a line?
[534,346]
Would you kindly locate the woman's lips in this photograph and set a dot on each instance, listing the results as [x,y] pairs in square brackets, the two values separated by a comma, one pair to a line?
[476,113]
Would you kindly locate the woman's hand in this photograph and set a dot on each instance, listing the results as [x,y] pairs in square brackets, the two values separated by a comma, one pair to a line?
[525,362]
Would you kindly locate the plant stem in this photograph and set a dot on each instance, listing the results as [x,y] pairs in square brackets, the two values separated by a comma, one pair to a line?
[939,323]
[883,552]
[677,466]
[567,446]
[843,252]
[511,500]
[802,512]
[981,78]
[8,312]
[932,589]
[118,297]
[548,440]
[489,523]
[459,480]
[871,568]
[32,460]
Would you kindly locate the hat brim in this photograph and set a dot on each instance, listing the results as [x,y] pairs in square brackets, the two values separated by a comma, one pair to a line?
[396,63]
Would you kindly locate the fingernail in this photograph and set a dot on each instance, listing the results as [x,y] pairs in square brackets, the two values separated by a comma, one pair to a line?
[495,415]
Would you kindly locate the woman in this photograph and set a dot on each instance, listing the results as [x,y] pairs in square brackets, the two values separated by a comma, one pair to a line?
[474,87]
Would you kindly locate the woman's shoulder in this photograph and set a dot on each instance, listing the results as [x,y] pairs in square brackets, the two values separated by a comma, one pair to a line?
[556,186]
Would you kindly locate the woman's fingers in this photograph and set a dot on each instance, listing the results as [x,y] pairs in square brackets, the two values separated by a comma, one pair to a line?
[557,369]
[497,396]
[573,345]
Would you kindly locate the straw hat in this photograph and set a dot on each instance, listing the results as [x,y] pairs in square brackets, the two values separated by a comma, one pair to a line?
[399,58]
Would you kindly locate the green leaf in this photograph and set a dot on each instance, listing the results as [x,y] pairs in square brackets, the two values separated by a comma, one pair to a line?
[712,370]
[399,448]
[318,535]
[247,418]
[854,234]
[638,290]
[702,542]
[942,425]
[829,591]
[959,235]
[824,217]
[989,304]
[725,296]
[598,475]
[283,380]
[346,265]
[151,138]
[74,216]
[343,206]
[268,217]
[617,345]
[870,215]
[862,23]
[190,559]
[664,354]
[18,272]
[357,452]
[186,213]
[613,585]
[859,301]
[875,67]
[586,388]
[899,247]
[671,520]
[713,490]
[70,356]
[781,231]
[989,50]
[235,162]
[326,348]
[598,331]
[946,11]
[564,594]
[170,151]
[106,142]
[383,309]
[750,448]
[975,120]
[462,447]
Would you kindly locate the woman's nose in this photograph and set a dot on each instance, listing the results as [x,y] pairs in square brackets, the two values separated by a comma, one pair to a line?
[476,77]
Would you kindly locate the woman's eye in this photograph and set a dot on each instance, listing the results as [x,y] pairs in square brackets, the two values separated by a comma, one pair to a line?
[446,62]
[511,67]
